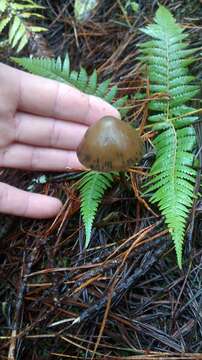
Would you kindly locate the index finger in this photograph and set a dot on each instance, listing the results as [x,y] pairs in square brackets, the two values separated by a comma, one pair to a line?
[41,96]
[21,203]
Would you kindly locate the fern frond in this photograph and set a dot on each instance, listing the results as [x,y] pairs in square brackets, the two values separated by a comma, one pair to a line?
[49,68]
[92,187]
[173,177]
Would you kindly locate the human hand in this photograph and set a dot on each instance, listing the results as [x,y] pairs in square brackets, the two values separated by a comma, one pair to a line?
[42,123]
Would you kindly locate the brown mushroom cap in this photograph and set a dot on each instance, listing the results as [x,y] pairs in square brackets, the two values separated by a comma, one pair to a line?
[110,145]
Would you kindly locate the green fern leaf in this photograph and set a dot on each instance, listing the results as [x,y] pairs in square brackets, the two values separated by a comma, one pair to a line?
[3,5]
[173,177]
[82,79]
[27,15]
[65,66]
[22,43]
[92,83]
[14,28]
[102,88]
[37,29]
[49,68]
[119,104]
[92,187]
[21,32]
[19,7]
[3,23]
[111,94]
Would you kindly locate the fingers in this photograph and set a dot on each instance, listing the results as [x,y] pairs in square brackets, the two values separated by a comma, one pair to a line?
[8,103]
[47,132]
[49,98]
[18,202]
[36,158]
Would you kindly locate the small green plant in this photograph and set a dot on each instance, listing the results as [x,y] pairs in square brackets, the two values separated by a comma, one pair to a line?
[133,5]
[16,15]
[172,176]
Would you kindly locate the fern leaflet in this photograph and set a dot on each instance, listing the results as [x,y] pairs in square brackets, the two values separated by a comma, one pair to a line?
[173,177]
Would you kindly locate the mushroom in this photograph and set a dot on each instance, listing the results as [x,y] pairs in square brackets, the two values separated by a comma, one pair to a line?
[110,145]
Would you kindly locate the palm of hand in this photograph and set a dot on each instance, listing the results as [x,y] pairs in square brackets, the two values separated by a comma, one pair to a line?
[41,124]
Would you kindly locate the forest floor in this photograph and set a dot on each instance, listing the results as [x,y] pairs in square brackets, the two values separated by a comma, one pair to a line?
[124,297]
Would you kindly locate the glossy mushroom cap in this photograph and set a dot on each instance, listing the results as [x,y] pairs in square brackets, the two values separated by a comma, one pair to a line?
[110,145]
